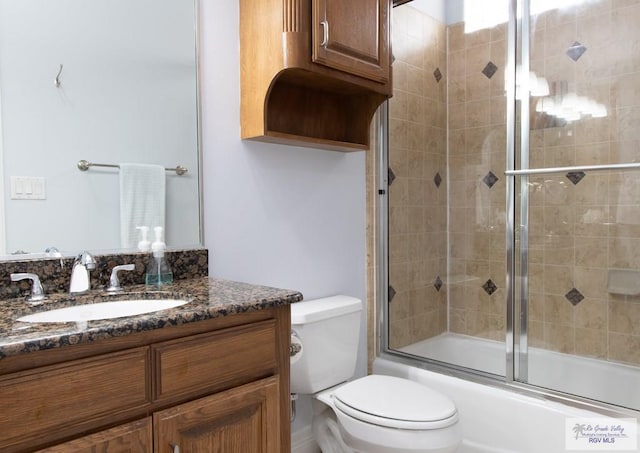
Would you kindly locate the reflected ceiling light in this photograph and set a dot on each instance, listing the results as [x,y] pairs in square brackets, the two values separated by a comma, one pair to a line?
[481,14]
[535,86]
[569,106]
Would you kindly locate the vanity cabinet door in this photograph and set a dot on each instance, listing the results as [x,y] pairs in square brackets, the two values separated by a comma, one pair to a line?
[133,437]
[240,420]
[60,401]
[353,36]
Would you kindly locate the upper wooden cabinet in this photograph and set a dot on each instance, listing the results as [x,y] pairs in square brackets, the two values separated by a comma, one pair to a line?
[313,72]
[352,36]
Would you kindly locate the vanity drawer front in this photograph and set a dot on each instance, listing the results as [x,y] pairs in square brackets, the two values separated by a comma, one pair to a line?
[61,400]
[214,361]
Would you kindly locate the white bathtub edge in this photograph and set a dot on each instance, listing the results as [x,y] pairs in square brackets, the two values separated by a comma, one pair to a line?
[495,419]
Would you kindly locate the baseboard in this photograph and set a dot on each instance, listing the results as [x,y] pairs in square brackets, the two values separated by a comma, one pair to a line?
[302,441]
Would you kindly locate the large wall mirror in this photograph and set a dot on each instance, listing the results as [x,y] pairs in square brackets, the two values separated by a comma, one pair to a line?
[106,81]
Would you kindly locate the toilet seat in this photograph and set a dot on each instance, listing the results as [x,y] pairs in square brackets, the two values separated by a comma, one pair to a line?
[395,403]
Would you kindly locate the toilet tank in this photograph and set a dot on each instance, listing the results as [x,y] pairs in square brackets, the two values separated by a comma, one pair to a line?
[329,329]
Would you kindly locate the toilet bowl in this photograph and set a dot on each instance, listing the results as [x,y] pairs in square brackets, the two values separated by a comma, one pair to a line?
[372,414]
[385,414]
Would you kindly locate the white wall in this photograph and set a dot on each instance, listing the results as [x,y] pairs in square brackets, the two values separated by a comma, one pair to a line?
[127,95]
[447,11]
[455,11]
[434,8]
[274,215]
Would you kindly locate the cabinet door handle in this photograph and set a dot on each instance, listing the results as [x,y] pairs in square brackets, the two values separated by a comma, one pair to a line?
[174,448]
[325,33]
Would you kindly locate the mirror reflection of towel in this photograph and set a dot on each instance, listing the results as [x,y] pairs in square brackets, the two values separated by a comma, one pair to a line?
[142,200]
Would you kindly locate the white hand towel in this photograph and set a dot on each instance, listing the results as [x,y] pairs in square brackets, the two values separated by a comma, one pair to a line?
[142,200]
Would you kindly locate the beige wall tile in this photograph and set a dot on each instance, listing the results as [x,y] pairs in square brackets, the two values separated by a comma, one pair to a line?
[624,348]
[457,37]
[591,252]
[592,343]
[559,337]
[592,282]
[615,4]
[478,38]
[624,317]
[623,253]
[591,314]
[400,69]
[558,280]
[558,310]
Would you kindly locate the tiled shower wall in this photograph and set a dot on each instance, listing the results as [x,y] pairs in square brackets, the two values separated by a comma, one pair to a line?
[417,177]
[584,224]
[581,225]
[477,143]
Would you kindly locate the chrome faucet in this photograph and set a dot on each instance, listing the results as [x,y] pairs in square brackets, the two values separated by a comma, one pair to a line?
[80,280]
[37,293]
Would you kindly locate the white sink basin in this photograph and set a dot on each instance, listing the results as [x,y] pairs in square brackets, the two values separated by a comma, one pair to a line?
[103,310]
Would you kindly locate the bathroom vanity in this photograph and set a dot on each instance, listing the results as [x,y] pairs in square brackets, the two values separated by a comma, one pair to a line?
[210,375]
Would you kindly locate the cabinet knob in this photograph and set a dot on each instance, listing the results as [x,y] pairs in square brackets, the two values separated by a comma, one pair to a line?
[325,33]
[174,448]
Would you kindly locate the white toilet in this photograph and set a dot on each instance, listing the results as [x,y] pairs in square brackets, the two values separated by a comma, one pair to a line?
[373,414]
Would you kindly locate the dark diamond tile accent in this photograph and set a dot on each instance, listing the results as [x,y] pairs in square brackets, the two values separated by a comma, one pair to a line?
[576,50]
[437,74]
[391,176]
[490,179]
[490,287]
[574,296]
[575,176]
[437,179]
[392,293]
[438,283]
[489,70]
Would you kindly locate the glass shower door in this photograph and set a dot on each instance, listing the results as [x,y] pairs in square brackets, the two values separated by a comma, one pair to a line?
[446,186]
[577,204]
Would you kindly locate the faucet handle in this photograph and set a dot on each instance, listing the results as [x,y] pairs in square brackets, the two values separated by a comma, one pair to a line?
[37,293]
[114,283]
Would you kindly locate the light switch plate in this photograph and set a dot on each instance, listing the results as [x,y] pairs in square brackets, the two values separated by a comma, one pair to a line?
[28,188]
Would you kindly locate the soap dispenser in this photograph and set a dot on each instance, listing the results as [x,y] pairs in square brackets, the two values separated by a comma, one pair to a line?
[144,245]
[158,272]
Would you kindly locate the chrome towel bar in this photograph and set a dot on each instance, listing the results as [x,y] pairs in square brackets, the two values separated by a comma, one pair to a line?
[83,165]
[544,171]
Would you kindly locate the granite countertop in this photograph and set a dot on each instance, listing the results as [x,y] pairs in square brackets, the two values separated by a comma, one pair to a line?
[209,298]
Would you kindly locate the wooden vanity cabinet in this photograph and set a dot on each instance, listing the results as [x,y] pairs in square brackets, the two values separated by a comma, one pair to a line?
[241,420]
[136,436]
[217,385]
[313,72]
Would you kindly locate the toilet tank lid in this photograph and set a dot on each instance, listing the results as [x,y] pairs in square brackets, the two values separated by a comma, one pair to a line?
[309,311]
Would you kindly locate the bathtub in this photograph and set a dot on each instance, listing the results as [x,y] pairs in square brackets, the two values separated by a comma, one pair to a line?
[500,420]
[611,382]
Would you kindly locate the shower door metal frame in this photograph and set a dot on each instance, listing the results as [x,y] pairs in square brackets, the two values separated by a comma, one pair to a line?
[510,87]
[382,232]
[520,367]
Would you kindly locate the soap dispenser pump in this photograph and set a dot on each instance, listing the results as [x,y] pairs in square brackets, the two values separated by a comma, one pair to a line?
[144,245]
[158,272]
